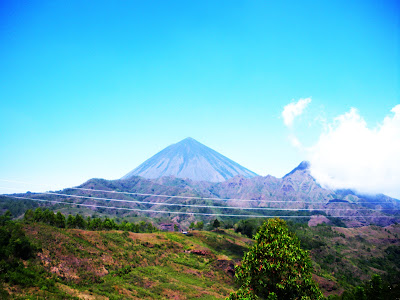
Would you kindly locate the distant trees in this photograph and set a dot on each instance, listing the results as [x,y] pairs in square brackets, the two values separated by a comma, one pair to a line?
[90,223]
[71,221]
[374,289]
[276,267]
[16,208]
[197,225]
[216,224]
[4,219]
[248,227]
[13,242]
[59,220]
[29,216]
[48,217]
[16,251]
[38,215]
[80,222]
[94,224]
[359,293]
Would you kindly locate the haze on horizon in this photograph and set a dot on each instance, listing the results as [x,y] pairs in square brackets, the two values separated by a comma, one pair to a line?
[93,90]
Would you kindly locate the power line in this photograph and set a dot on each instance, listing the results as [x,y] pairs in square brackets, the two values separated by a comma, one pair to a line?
[144,210]
[218,199]
[163,203]
[204,206]
[191,197]
[182,213]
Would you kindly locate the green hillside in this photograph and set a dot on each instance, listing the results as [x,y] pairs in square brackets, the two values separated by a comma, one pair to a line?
[125,265]
[71,263]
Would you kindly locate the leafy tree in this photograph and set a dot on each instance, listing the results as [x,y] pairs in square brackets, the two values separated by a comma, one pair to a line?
[80,222]
[191,226]
[375,288]
[132,227]
[48,217]
[359,293]
[216,224]
[29,216]
[199,225]
[13,242]
[19,244]
[4,219]
[248,227]
[95,224]
[244,293]
[71,221]
[38,214]
[109,224]
[276,267]
[124,226]
[59,220]
[150,228]
[5,236]
[347,295]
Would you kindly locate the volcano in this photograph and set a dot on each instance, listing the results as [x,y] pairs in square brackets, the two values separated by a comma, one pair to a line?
[191,160]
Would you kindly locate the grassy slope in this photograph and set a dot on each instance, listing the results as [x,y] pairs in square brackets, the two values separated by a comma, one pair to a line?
[122,265]
[345,257]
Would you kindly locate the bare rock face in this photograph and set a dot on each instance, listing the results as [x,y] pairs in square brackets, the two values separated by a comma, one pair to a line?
[318,219]
[190,159]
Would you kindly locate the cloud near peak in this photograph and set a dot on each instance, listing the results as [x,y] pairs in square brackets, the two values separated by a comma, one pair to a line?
[351,155]
[293,110]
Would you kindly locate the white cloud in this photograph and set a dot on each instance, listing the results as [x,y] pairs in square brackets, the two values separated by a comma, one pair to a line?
[292,110]
[295,142]
[351,155]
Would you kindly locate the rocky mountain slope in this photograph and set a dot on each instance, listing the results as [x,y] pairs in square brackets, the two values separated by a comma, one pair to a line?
[297,194]
[190,159]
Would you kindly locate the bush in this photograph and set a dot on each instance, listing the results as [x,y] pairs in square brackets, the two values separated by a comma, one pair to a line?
[276,267]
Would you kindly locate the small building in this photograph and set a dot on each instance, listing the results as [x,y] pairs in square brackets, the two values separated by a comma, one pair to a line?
[169,227]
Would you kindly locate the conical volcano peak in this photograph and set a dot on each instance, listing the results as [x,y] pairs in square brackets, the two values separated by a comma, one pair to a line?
[304,165]
[190,159]
[188,140]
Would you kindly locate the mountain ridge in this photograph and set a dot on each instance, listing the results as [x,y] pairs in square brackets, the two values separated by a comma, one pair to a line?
[295,194]
[298,191]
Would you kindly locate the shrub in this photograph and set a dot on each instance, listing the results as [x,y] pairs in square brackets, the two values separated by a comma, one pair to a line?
[276,267]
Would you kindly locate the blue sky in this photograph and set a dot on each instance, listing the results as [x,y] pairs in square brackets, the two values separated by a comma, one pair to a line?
[92,89]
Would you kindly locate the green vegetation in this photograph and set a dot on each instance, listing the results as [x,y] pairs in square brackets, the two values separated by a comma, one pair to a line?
[17,208]
[52,255]
[216,224]
[197,225]
[91,223]
[374,289]
[276,267]
[120,264]
[18,266]
[248,227]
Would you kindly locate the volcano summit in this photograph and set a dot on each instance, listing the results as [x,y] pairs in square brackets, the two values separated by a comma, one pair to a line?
[190,159]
